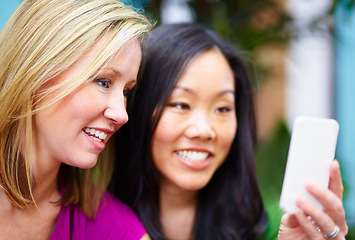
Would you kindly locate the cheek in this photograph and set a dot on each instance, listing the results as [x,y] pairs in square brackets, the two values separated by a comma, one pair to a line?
[165,136]
[160,149]
[85,98]
[167,130]
[226,138]
[233,131]
[85,104]
[227,131]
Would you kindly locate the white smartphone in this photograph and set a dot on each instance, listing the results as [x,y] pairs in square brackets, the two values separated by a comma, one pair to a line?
[311,151]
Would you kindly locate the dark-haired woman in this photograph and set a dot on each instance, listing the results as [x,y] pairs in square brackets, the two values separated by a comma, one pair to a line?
[188,168]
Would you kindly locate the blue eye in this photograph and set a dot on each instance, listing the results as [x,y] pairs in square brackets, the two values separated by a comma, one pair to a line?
[104,83]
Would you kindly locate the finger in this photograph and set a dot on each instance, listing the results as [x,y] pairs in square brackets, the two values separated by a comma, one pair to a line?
[321,219]
[332,204]
[325,221]
[335,181]
[334,234]
[308,227]
[289,220]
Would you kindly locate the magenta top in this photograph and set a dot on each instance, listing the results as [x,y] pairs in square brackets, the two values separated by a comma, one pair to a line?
[114,220]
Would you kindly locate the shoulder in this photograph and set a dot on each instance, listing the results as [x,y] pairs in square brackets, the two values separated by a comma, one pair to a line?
[117,220]
[114,220]
[112,207]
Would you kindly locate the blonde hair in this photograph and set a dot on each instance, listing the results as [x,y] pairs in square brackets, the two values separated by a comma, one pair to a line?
[41,40]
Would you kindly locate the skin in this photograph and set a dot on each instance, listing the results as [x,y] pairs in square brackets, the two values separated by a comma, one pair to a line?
[59,136]
[99,105]
[199,117]
[196,119]
[308,218]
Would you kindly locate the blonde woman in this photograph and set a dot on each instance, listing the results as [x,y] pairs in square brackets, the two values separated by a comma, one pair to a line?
[66,68]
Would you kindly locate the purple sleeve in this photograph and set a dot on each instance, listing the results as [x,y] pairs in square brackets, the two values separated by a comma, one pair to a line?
[114,220]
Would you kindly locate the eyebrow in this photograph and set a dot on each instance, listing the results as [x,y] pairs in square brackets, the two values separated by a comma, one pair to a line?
[188,90]
[117,73]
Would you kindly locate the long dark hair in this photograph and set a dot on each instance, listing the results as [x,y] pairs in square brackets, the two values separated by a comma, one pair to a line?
[230,205]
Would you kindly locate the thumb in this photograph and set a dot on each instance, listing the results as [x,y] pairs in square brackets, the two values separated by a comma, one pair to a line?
[289,220]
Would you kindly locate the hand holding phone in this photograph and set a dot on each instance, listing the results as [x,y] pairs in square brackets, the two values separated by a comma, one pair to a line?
[311,151]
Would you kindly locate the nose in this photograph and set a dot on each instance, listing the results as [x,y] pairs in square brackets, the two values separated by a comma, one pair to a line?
[200,127]
[116,110]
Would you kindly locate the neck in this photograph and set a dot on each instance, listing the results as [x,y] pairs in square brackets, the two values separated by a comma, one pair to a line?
[46,185]
[37,220]
[45,175]
[177,211]
[175,197]
[44,188]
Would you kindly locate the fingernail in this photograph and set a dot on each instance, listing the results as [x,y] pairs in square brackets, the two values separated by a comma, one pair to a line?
[336,163]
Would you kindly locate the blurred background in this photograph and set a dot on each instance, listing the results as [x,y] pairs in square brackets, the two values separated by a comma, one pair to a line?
[300,55]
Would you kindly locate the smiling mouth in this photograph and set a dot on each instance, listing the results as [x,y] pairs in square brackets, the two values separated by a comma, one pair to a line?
[193,156]
[95,134]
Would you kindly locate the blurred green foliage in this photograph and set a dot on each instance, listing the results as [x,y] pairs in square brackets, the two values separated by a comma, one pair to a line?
[351,233]
[251,24]
[270,158]
[349,4]
[246,23]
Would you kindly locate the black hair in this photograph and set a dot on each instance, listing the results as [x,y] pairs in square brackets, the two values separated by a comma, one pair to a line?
[230,205]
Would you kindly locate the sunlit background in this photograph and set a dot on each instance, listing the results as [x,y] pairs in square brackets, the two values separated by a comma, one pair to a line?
[300,55]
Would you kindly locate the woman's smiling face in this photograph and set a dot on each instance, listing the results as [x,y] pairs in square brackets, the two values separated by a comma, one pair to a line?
[74,130]
[198,125]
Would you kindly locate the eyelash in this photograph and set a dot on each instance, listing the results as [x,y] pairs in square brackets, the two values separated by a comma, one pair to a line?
[223,109]
[103,80]
[184,106]
[127,93]
[179,105]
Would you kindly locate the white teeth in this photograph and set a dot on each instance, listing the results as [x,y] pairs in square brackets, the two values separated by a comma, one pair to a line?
[193,155]
[96,139]
[96,134]
[102,135]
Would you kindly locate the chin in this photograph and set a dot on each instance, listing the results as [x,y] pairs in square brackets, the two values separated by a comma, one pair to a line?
[84,164]
[89,165]
[193,187]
